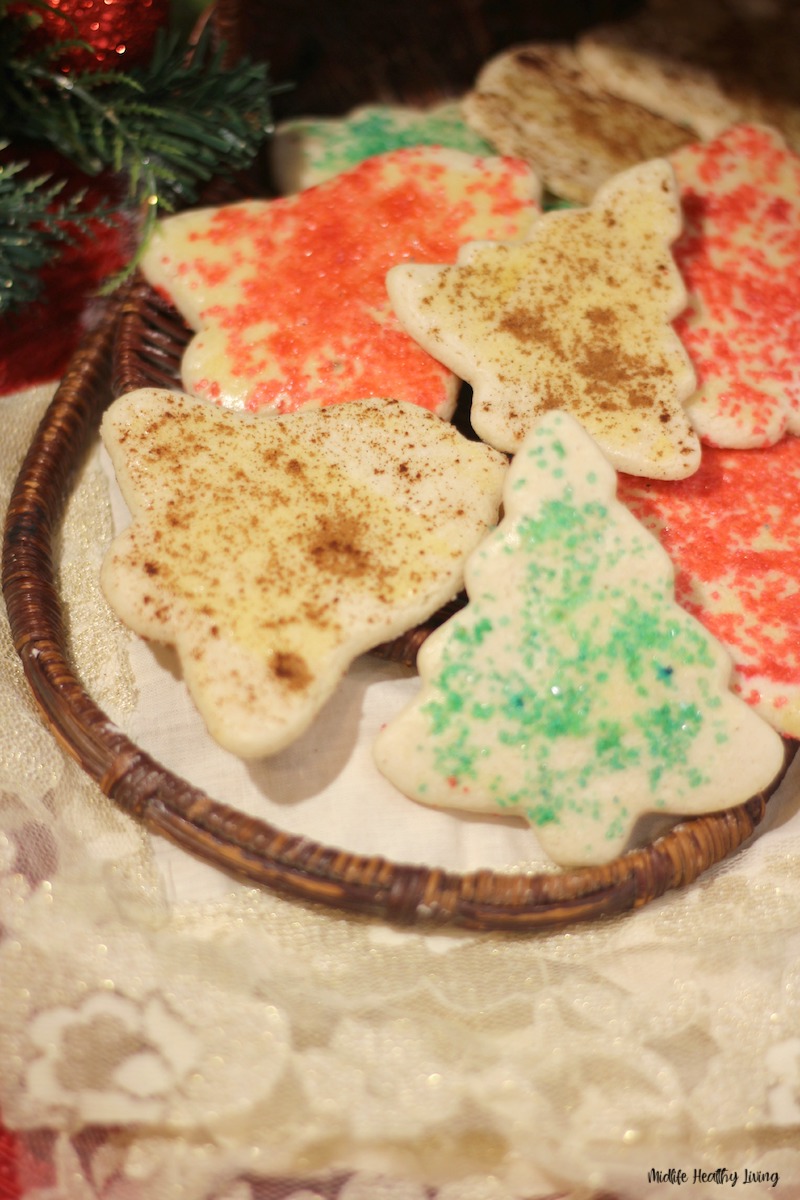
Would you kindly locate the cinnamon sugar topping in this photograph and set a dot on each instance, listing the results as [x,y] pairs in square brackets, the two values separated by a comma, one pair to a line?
[575,317]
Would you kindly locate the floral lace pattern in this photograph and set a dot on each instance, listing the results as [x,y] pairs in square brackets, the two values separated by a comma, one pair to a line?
[237,1046]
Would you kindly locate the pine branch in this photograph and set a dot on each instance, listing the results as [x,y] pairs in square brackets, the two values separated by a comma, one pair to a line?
[168,127]
[34,225]
[181,119]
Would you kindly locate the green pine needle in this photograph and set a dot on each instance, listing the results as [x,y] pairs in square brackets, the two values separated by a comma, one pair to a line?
[167,128]
[34,225]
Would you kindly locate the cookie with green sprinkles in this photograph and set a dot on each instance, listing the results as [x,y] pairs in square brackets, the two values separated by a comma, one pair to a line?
[307,151]
[572,690]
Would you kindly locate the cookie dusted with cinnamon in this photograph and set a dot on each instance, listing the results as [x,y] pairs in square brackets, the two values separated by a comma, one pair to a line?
[705,65]
[538,103]
[576,316]
[271,551]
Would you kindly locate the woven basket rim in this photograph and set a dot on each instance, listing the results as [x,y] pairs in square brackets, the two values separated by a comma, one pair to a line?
[136,343]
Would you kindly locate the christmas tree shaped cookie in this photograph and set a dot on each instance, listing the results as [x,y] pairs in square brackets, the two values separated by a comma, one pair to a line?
[740,257]
[288,296]
[574,317]
[572,690]
[270,551]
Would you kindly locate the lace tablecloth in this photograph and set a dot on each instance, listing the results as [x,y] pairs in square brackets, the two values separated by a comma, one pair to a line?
[166,1032]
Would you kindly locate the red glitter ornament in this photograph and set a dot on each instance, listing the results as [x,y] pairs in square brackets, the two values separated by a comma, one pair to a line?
[121,33]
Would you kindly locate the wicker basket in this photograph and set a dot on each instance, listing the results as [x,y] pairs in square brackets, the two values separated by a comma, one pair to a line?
[139,343]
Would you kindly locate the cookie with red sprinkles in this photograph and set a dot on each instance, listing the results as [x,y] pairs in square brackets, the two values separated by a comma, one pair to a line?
[287,296]
[733,533]
[739,254]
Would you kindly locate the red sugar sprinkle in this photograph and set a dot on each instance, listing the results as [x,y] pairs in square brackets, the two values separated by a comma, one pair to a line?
[307,318]
[739,255]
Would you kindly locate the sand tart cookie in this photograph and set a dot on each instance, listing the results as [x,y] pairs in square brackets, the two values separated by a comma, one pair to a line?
[307,151]
[270,551]
[740,259]
[572,690]
[575,317]
[288,296]
[536,102]
[706,65]
[733,532]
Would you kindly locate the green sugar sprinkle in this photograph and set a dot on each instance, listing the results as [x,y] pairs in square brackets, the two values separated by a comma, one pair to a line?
[335,146]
